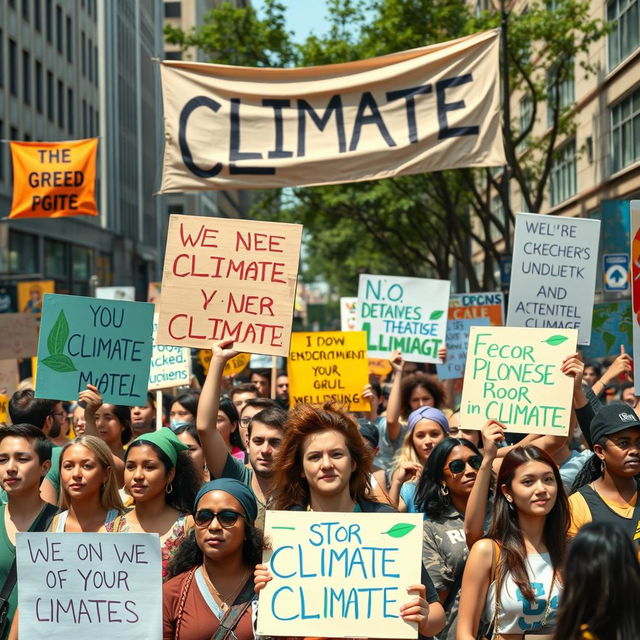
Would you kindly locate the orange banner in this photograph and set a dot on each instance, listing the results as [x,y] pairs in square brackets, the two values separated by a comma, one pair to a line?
[54,179]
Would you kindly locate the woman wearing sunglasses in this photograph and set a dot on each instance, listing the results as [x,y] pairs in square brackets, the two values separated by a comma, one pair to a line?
[442,494]
[212,573]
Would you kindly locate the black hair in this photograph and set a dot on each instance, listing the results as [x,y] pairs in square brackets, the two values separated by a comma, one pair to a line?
[591,469]
[25,409]
[263,373]
[229,409]
[428,498]
[272,417]
[185,482]
[601,585]
[124,416]
[189,428]
[189,401]
[596,366]
[41,444]
[376,386]
[190,555]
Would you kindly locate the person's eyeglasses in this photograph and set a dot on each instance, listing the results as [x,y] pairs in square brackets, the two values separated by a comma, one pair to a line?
[458,466]
[226,518]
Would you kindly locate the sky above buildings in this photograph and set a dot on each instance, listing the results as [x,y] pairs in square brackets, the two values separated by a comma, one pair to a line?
[303,16]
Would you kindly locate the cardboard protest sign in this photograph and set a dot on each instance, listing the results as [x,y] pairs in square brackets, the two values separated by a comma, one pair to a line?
[457,342]
[170,366]
[464,306]
[30,295]
[106,343]
[635,283]
[339,575]
[116,293]
[409,314]
[553,273]
[348,314]
[513,376]
[427,109]
[18,335]
[54,179]
[229,279]
[89,585]
[329,366]
[8,384]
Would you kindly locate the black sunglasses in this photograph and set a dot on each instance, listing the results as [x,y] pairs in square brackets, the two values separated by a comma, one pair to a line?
[458,466]
[226,518]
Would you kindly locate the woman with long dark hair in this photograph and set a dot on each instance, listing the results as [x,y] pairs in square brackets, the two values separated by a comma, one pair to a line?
[442,494]
[188,434]
[513,576]
[163,482]
[212,572]
[184,409]
[602,583]
[228,426]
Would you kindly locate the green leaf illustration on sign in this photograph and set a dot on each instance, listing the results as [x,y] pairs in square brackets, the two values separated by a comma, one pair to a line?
[436,315]
[59,362]
[554,341]
[58,335]
[399,530]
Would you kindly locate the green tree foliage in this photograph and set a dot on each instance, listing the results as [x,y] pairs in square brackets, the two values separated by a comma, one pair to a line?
[413,225]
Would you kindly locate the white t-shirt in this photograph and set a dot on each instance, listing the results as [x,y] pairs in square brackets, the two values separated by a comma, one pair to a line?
[516,613]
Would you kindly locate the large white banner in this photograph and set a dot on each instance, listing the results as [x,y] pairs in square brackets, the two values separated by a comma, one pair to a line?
[553,275]
[409,314]
[427,109]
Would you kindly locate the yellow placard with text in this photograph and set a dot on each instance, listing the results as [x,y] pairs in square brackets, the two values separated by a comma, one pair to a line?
[329,366]
[54,179]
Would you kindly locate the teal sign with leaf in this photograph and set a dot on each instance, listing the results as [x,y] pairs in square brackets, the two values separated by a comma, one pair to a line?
[106,343]
[409,314]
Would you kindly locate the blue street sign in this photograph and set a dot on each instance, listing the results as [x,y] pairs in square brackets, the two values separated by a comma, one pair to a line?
[616,272]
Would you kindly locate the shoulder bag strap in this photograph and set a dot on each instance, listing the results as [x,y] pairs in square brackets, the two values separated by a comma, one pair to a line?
[183,600]
[232,616]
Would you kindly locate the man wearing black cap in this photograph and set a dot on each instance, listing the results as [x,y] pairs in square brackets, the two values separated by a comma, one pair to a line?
[610,493]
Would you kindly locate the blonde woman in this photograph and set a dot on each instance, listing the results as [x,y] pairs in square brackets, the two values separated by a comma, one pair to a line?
[428,426]
[88,487]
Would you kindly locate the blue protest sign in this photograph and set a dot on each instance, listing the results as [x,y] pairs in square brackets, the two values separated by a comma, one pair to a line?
[616,272]
[106,343]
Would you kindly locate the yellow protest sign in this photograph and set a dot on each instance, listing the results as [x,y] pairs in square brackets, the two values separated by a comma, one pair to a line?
[329,366]
[380,367]
[513,376]
[229,279]
[237,364]
[31,294]
[204,358]
[339,575]
[4,408]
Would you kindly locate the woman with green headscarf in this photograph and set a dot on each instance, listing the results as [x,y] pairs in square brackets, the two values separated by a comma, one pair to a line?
[162,481]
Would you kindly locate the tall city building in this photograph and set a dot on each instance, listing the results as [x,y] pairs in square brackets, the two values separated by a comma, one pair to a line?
[82,68]
[189,14]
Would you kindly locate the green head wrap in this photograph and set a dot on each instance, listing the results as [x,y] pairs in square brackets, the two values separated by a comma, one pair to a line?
[166,441]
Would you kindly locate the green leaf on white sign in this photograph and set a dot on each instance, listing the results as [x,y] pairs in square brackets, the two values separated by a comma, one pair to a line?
[554,341]
[399,530]
[436,315]
[59,362]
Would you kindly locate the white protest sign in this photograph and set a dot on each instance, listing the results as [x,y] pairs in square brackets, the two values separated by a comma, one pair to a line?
[457,341]
[116,293]
[553,273]
[348,314]
[170,366]
[513,376]
[89,585]
[409,314]
[340,575]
